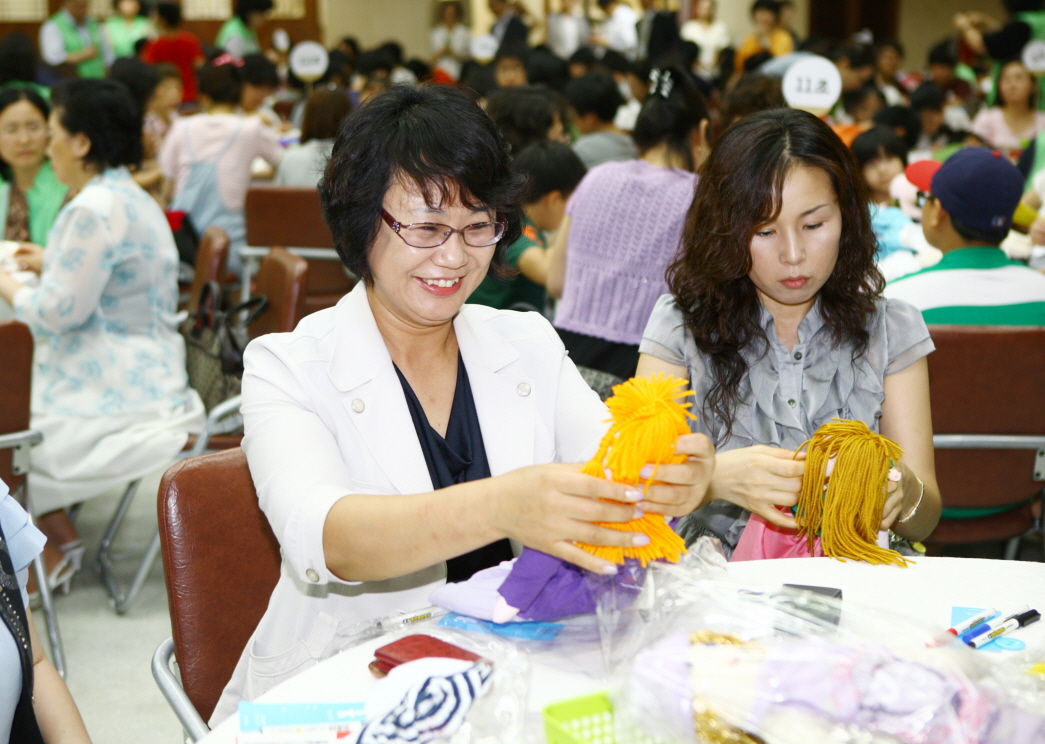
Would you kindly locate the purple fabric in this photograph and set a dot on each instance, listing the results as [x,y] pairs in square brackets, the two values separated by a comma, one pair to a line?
[625,225]
[546,588]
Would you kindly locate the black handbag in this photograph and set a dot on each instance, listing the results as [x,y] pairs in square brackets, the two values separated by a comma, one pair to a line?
[214,344]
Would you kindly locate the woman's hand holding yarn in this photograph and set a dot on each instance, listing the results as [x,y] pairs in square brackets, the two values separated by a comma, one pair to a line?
[681,488]
[760,479]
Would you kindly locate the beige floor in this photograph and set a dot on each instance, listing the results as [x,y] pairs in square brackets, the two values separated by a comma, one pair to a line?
[108,657]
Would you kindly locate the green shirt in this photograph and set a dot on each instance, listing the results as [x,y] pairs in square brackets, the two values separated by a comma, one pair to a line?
[45,200]
[508,294]
[975,286]
[123,36]
[236,39]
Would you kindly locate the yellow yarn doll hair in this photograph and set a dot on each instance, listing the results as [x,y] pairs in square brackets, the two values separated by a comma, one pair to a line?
[847,511]
[648,418]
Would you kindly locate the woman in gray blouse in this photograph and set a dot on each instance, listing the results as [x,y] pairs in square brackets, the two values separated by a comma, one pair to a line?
[776,318]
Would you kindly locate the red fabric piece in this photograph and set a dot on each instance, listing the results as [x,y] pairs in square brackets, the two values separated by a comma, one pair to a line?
[174,219]
[181,50]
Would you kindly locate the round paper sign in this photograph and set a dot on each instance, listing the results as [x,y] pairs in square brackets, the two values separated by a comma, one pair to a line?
[1034,55]
[308,60]
[812,84]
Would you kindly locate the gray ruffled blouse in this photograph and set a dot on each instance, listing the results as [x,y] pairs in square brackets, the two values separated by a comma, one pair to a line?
[787,395]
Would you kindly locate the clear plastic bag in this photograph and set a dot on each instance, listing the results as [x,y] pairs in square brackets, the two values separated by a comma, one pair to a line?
[705,658]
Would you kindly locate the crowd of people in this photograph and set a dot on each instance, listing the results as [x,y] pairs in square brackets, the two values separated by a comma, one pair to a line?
[638,188]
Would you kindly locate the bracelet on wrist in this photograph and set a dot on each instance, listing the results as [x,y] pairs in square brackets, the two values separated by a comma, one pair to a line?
[921,494]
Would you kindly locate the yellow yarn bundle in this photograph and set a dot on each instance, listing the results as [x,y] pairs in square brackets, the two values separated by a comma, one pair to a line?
[847,511]
[648,418]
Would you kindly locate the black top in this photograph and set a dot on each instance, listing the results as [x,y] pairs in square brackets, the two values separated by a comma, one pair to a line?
[459,458]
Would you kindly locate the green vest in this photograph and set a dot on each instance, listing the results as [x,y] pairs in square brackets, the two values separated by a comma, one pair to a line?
[235,27]
[45,200]
[123,37]
[93,67]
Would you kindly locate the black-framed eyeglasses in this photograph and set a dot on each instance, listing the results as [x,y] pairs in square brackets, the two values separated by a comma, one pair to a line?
[434,234]
[922,198]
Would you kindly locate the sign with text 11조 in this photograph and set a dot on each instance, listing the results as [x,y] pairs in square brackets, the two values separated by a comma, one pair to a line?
[812,84]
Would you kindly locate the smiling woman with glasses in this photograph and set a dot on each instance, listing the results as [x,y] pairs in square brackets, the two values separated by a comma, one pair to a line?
[402,439]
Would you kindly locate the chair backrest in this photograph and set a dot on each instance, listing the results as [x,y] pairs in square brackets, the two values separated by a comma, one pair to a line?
[286,215]
[293,216]
[212,255]
[16,376]
[987,380]
[221,563]
[281,278]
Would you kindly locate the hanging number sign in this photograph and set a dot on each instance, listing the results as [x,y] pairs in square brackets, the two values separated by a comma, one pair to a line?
[812,84]
[1034,55]
[308,60]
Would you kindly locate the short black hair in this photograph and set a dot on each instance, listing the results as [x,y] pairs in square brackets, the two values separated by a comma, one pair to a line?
[927,97]
[104,111]
[549,166]
[856,54]
[12,95]
[974,235]
[544,68]
[889,44]
[169,12]
[752,93]
[901,117]
[670,118]
[596,93]
[524,114]
[17,59]
[583,56]
[614,61]
[770,5]
[259,70]
[245,7]
[221,83]
[854,98]
[1022,6]
[140,78]
[402,133]
[877,142]
[944,53]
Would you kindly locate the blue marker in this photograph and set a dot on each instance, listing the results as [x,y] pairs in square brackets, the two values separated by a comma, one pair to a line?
[991,625]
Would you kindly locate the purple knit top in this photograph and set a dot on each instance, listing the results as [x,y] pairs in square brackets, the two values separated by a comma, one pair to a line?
[625,225]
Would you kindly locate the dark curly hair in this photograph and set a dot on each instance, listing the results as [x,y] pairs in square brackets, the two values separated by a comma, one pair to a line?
[739,192]
[436,136]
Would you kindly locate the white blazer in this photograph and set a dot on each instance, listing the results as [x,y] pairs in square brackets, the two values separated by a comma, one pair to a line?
[325,417]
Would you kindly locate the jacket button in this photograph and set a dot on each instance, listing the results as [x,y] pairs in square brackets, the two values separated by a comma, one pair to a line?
[358,405]
[523,389]
[792,402]
[311,575]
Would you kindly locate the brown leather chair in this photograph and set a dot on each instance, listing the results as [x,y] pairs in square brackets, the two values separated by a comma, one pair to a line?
[221,563]
[16,438]
[212,255]
[282,278]
[293,216]
[988,409]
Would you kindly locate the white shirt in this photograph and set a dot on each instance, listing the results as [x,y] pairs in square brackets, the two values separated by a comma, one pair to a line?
[567,33]
[621,32]
[302,165]
[459,40]
[711,38]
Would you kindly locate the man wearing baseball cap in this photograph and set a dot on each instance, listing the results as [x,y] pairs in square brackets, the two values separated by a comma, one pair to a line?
[967,208]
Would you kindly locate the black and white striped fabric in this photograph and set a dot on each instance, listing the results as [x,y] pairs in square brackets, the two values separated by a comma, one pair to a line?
[431,710]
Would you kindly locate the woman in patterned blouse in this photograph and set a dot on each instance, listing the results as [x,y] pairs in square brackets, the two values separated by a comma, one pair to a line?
[110,392]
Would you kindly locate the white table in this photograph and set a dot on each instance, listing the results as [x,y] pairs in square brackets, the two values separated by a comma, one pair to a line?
[924,592]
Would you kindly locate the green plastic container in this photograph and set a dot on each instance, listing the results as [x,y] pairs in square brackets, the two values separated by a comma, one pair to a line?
[584,720]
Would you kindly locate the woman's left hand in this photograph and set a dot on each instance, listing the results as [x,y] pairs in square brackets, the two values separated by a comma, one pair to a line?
[30,257]
[681,488]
